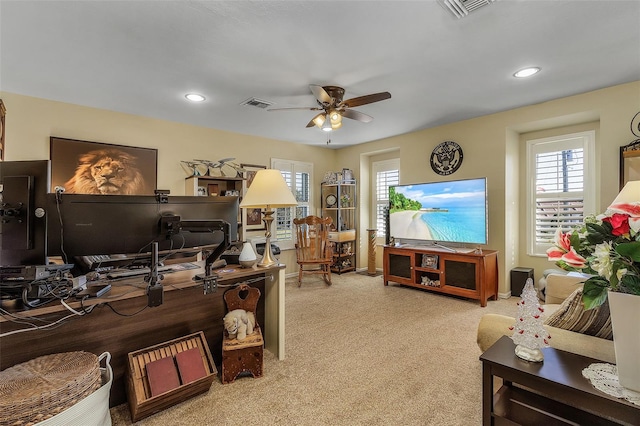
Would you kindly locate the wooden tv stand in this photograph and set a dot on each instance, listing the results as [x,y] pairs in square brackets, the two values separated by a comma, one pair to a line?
[473,275]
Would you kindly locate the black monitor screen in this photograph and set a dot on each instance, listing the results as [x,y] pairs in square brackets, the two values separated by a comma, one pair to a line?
[84,225]
[24,185]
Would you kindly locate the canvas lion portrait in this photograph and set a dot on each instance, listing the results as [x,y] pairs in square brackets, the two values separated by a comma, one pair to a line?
[106,171]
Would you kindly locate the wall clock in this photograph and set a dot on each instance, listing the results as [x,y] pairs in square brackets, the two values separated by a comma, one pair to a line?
[331,200]
[446,158]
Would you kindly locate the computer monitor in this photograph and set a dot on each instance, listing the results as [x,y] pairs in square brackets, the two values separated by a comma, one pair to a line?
[23,188]
[80,225]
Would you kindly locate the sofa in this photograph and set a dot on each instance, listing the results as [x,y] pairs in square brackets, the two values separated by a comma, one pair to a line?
[558,288]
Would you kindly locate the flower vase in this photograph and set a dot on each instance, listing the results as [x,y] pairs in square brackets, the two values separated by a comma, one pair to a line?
[625,317]
[247,256]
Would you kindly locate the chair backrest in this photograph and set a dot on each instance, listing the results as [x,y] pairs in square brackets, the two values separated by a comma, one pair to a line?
[242,297]
[312,239]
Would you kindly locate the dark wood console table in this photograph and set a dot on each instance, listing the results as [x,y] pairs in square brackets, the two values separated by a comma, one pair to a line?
[185,310]
[473,275]
[552,392]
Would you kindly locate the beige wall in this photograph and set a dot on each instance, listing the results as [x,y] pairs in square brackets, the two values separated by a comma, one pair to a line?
[492,145]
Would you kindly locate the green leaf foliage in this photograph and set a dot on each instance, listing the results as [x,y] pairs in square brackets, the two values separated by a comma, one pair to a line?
[630,250]
[594,292]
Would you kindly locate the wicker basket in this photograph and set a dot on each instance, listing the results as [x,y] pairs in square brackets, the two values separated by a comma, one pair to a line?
[39,389]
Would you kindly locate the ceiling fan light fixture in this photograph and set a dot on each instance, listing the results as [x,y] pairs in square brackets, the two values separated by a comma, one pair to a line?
[319,120]
[326,126]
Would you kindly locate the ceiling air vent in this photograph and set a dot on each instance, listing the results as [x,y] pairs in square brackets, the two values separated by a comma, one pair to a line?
[461,8]
[258,103]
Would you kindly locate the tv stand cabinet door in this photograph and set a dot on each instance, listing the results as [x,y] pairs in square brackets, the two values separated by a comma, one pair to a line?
[398,266]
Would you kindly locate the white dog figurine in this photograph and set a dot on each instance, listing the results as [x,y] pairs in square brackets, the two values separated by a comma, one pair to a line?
[239,323]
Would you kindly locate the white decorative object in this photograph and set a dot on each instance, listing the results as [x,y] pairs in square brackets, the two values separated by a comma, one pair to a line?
[247,256]
[604,377]
[529,333]
[625,320]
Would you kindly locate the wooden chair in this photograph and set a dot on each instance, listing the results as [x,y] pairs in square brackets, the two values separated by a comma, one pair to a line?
[313,247]
[245,355]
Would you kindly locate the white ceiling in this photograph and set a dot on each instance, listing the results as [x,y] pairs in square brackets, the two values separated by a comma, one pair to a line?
[141,57]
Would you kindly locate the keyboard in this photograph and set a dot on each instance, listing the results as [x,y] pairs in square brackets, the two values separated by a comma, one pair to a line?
[125,273]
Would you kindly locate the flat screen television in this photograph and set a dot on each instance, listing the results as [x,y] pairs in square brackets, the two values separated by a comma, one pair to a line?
[453,212]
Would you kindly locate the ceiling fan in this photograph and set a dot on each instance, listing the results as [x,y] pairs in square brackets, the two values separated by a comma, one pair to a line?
[333,108]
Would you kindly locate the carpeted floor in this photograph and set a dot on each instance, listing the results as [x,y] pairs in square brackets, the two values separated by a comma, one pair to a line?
[357,353]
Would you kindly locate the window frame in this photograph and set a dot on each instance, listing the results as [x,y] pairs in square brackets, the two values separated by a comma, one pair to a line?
[293,167]
[379,167]
[584,140]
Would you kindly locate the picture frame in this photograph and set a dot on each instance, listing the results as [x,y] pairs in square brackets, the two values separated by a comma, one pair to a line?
[124,170]
[430,261]
[251,218]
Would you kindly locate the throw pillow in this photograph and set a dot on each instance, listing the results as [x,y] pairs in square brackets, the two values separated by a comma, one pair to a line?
[572,316]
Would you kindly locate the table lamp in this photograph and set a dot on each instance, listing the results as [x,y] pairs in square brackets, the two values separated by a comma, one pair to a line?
[629,194]
[268,190]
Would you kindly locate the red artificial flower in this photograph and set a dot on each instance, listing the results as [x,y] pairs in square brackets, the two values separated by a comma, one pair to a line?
[619,222]
[572,258]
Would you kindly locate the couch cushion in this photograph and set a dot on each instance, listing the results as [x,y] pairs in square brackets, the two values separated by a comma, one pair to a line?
[572,316]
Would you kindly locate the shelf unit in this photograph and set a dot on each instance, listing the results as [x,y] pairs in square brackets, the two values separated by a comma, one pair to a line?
[216,186]
[339,202]
[473,275]
[212,185]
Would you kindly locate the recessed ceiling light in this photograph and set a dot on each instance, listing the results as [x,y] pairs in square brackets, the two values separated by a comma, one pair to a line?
[194,97]
[526,72]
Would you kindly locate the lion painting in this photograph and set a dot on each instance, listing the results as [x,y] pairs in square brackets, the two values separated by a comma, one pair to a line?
[106,171]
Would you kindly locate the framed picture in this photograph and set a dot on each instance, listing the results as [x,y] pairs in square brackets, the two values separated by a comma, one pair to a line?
[82,167]
[251,218]
[430,261]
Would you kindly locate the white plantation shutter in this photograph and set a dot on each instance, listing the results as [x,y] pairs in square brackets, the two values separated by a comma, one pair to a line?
[561,186]
[298,176]
[384,174]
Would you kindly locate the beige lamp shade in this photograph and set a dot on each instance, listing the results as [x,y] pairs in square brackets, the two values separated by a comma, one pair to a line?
[268,188]
[629,194]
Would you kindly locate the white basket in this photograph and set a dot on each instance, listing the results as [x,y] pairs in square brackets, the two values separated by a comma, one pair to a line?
[92,410]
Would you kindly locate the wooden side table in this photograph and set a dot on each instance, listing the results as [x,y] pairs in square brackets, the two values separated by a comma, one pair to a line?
[553,392]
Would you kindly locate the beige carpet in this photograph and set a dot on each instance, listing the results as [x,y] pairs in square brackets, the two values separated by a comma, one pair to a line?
[356,353]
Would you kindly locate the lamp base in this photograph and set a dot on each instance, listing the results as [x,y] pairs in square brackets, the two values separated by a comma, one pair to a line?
[267,258]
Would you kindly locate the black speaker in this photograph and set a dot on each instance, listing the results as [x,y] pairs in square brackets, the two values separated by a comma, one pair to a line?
[519,279]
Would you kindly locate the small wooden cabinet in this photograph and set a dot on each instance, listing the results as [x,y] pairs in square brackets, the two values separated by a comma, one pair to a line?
[473,275]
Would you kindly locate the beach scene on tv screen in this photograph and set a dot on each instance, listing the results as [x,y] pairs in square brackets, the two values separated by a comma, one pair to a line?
[452,211]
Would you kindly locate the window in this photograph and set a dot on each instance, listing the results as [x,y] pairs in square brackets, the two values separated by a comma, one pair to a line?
[561,186]
[384,174]
[298,176]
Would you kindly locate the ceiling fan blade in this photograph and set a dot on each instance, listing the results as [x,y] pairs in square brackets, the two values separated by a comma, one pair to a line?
[321,95]
[312,123]
[292,108]
[367,99]
[356,115]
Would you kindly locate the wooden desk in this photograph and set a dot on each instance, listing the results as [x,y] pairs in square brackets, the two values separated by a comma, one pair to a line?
[546,393]
[186,309]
